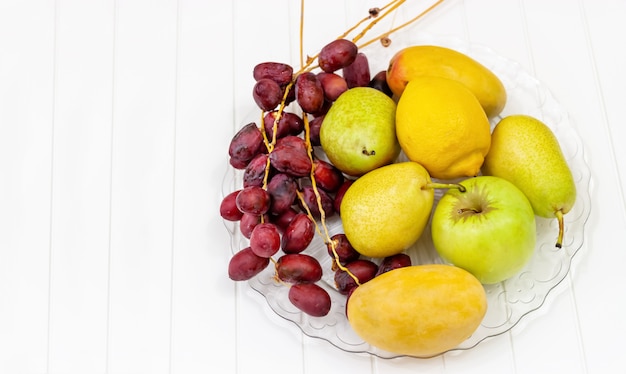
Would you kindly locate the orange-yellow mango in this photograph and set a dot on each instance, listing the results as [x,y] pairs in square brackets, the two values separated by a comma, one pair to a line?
[438,61]
[420,310]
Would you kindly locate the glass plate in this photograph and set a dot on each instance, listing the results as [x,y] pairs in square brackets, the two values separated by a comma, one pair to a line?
[508,301]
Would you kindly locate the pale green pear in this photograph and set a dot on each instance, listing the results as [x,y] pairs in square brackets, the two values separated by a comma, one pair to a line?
[358,133]
[526,152]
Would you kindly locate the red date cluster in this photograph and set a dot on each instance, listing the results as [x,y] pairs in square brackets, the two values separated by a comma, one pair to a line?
[286,188]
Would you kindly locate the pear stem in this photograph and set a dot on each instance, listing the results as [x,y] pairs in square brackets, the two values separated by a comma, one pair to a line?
[559,217]
[433,185]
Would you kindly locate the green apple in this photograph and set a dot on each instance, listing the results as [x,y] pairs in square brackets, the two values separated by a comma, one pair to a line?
[488,230]
[358,133]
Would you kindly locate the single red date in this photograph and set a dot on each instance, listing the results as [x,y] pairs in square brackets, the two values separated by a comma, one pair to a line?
[310,298]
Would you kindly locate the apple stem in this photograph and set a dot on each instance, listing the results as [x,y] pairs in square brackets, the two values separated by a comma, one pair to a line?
[465,210]
[458,186]
[559,217]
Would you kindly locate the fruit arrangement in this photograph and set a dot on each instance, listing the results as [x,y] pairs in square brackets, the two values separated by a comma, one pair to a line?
[338,142]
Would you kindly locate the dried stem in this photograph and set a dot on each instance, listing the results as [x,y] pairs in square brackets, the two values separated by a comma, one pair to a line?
[374,17]
[318,198]
[387,9]
[386,34]
[394,6]
[327,240]
[310,59]
[371,15]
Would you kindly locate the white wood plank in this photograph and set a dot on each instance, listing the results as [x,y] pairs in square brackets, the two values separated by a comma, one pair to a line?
[203,297]
[455,20]
[27,40]
[561,57]
[80,199]
[256,323]
[511,39]
[142,186]
[321,27]
[606,32]
[445,20]
[461,23]
[533,354]
[597,102]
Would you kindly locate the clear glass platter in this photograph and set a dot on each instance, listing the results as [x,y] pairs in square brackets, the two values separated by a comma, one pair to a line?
[509,301]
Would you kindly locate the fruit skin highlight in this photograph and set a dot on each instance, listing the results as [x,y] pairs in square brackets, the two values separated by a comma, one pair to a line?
[488,230]
[441,125]
[358,132]
[385,211]
[526,152]
[431,60]
[420,310]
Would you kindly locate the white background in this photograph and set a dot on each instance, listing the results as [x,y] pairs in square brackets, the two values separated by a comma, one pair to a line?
[115,118]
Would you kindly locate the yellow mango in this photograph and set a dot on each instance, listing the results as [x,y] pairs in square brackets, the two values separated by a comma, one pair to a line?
[436,61]
[420,310]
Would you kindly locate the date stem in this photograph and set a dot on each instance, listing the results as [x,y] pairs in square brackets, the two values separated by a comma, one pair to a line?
[384,37]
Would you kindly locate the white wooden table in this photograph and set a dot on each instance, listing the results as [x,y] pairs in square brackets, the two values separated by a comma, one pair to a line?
[115,118]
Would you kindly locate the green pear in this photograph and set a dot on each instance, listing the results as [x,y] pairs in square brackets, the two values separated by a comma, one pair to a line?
[358,133]
[386,210]
[526,152]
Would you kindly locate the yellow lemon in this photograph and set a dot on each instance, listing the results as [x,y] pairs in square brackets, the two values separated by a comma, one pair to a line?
[441,125]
